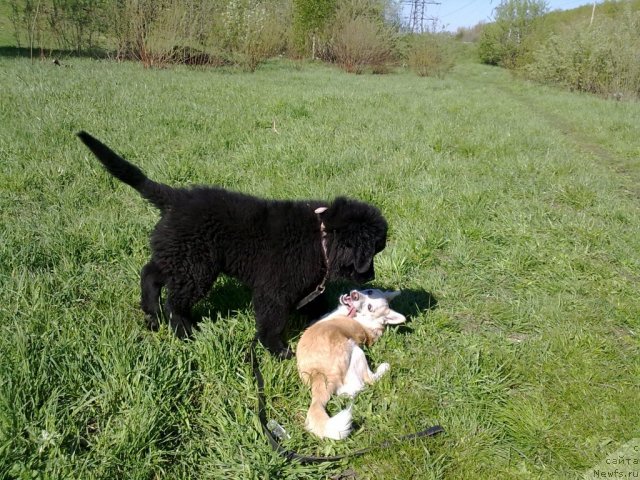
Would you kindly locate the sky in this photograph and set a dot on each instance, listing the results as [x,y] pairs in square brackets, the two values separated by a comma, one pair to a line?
[453,14]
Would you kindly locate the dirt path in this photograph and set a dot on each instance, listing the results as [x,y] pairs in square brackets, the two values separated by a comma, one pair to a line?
[630,177]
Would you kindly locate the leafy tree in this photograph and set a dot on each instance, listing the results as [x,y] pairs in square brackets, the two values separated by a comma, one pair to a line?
[310,17]
[507,41]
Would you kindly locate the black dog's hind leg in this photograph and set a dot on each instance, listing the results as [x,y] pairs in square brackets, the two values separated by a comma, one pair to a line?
[179,316]
[151,283]
[271,318]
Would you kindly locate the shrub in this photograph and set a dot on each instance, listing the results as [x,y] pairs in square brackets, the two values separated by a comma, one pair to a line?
[146,30]
[491,47]
[156,32]
[359,39]
[601,58]
[67,24]
[429,55]
[311,19]
[251,31]
[508,41]
[361,43]
[28,22]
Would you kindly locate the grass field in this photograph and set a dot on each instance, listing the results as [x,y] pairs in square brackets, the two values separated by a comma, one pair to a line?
[515,209]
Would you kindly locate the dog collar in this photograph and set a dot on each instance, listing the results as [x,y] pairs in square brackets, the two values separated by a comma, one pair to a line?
[323,240]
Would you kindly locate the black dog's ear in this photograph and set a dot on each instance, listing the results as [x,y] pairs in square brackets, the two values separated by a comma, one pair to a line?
[363,258]
[337,215]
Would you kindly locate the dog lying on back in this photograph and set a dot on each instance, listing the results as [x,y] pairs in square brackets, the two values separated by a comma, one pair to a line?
[330,359]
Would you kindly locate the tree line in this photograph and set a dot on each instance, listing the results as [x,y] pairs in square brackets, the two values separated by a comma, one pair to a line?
[358,35]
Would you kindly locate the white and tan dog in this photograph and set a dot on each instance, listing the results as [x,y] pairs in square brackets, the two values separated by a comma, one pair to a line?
[330,359]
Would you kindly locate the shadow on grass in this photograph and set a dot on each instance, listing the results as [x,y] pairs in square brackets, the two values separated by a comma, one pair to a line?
[413,302]
[228,296]
[178,55]
[49,54]
[410,302]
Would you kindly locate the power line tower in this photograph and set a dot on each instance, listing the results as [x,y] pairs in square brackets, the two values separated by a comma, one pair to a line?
[418,14]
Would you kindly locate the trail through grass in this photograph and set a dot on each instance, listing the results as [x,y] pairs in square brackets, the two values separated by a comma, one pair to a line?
[517,246]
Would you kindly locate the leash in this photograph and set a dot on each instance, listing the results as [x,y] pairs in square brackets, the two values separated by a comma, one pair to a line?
[325,255]
[292,455]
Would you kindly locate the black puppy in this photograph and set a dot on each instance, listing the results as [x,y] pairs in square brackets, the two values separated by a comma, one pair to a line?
[285,251]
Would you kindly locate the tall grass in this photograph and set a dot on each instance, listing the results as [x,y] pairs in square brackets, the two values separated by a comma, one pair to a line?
[513,206]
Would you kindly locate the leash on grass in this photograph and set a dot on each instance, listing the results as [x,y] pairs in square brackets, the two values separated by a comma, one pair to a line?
[292,455]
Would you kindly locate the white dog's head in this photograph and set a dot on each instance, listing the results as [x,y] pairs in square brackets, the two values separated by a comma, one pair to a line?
[371,308]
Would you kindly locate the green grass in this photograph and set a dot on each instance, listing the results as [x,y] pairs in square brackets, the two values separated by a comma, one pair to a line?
[7,36]
[516,207]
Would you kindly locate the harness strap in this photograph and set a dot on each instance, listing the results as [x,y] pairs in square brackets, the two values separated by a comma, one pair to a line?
[292,455]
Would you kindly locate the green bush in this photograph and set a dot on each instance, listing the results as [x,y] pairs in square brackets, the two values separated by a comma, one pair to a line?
[356,34]
[65,24]
[251,31]
[429,55]
[156,32]
[361,43]
[509,40]
[359,38]
[147,30]
[311,19]
[601,58]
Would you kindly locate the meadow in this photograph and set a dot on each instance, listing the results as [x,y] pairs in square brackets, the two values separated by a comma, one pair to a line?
[514,215]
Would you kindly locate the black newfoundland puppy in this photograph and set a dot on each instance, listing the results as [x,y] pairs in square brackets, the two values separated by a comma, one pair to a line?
[285,251]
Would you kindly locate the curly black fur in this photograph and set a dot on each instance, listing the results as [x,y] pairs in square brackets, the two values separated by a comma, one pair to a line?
[273,246]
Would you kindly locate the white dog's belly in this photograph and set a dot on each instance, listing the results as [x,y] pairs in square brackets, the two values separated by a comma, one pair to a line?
[357,372]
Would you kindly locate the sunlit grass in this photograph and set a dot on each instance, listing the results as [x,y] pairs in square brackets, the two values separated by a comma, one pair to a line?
[514,239]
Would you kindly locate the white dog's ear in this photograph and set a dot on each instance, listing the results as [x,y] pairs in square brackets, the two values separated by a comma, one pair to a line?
[394,318]
[391,294]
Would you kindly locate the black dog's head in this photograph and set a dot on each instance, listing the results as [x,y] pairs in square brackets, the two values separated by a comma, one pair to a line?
[357,231]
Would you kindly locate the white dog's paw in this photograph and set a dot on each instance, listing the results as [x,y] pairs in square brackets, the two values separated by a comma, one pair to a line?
[382,369]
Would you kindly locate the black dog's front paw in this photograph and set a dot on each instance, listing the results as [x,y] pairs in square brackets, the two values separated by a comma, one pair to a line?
[285,354]
[152,322]
[276,347]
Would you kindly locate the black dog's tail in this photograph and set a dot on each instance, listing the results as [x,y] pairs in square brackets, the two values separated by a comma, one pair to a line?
[158,194]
